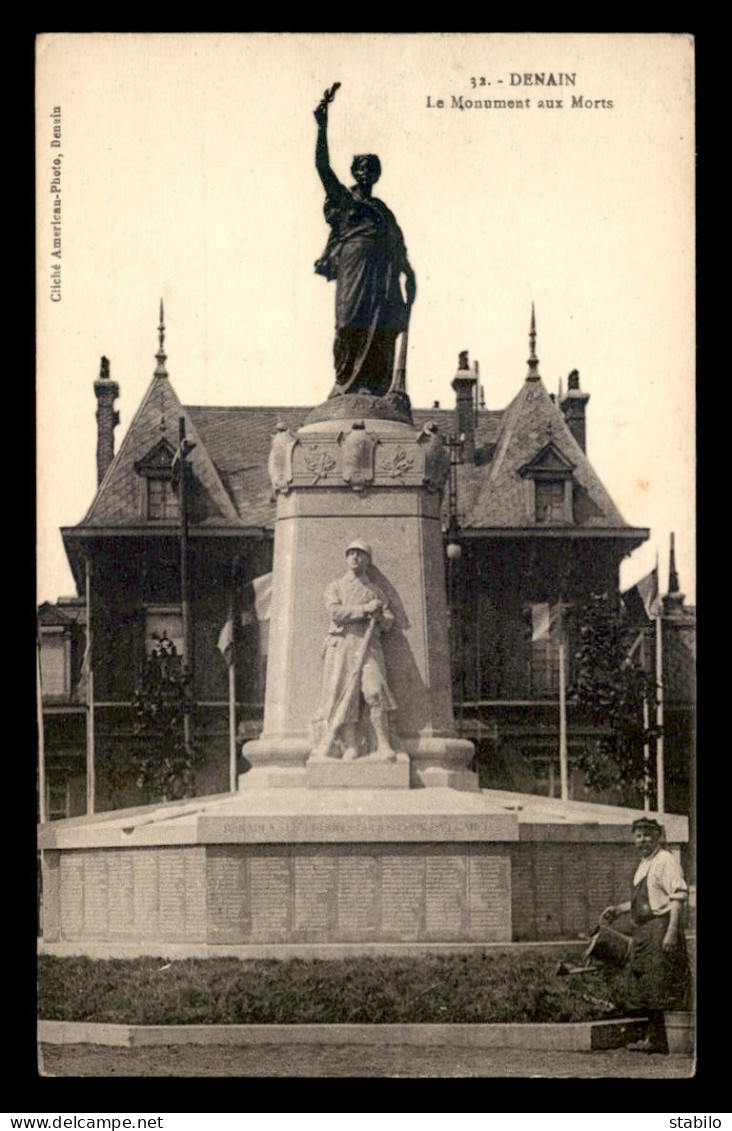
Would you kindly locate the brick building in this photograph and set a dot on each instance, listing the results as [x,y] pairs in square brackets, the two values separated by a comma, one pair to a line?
[536,531]
[665,631]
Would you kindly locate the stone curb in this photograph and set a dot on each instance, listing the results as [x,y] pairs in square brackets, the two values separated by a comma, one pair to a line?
[286,951]
[580,1036]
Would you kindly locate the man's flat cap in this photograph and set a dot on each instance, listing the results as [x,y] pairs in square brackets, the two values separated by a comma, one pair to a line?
[646,823]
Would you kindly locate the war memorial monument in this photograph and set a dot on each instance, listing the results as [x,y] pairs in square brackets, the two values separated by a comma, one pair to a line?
[358,821]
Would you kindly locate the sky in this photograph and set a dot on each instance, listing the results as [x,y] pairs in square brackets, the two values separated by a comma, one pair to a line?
[187,172]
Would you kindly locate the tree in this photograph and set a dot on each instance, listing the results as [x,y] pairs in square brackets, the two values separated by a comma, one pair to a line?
[609,688]
[163,766]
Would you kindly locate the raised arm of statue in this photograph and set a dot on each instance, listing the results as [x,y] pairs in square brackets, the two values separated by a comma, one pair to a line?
[366,257]
[331,184]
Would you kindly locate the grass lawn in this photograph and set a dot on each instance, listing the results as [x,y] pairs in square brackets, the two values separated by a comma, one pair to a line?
[470,987]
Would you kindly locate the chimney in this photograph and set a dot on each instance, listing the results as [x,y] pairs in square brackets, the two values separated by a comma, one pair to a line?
[573,406]
[464,383]
[106,392]
[674,600]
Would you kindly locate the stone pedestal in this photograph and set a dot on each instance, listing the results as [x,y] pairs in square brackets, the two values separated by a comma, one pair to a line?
[379,481]
[333,871]
[283,868]
[361,774]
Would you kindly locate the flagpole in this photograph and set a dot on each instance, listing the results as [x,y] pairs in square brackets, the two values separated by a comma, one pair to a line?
[41,742]
[90,746]
[563,767]
[184,589]
[232,681]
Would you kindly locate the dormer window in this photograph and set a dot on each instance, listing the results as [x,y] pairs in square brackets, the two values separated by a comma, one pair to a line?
[159,502]
[548,479]
[549,500]
[162,502]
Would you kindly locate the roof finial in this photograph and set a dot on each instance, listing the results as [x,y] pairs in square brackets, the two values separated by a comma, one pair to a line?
[533,374]
[673,602]
[673,577]
[161,356]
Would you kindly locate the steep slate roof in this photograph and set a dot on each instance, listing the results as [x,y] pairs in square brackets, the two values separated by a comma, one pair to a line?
[238,439]
[229,462]
[530,422]
[117,502]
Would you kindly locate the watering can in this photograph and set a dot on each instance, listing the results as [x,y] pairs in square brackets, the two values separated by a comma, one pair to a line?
[607,947]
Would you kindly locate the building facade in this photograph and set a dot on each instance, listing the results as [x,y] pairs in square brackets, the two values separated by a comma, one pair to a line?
[530,532]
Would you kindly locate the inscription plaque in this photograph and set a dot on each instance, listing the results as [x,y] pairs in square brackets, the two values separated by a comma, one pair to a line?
[120,874]
[146,903]
[490,899]
[96,896]
[72,896]
[548,871]
[445,895]
[315,879]
[171,885]
[402,896]
[270,892]
[358,902]
[195,893]
[227,896]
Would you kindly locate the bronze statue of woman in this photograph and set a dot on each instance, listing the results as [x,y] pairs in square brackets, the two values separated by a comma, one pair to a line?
[366,256]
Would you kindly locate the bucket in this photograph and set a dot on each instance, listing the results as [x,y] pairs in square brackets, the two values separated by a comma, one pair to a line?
[679,1032]
[608,946]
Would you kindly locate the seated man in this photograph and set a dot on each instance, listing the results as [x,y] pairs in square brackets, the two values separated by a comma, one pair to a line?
[353,662]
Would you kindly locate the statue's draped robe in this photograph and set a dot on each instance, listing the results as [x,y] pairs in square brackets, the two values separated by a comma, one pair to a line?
[344,603]
[365,254]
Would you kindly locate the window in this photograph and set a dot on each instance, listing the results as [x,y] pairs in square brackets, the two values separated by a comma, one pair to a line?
[544,668]
[58,800]
[549,490]
[163,622]
[543,774]
[548,629]
[549,501]
[158,500]
[55,663]
[162,502]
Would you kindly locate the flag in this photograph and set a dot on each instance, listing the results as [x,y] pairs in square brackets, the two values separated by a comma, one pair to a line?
[262,587]
[540,622]
[81,691]
[260,593]
[225,642]
[545,620]
[635,646]
[647,589]
[185,447]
